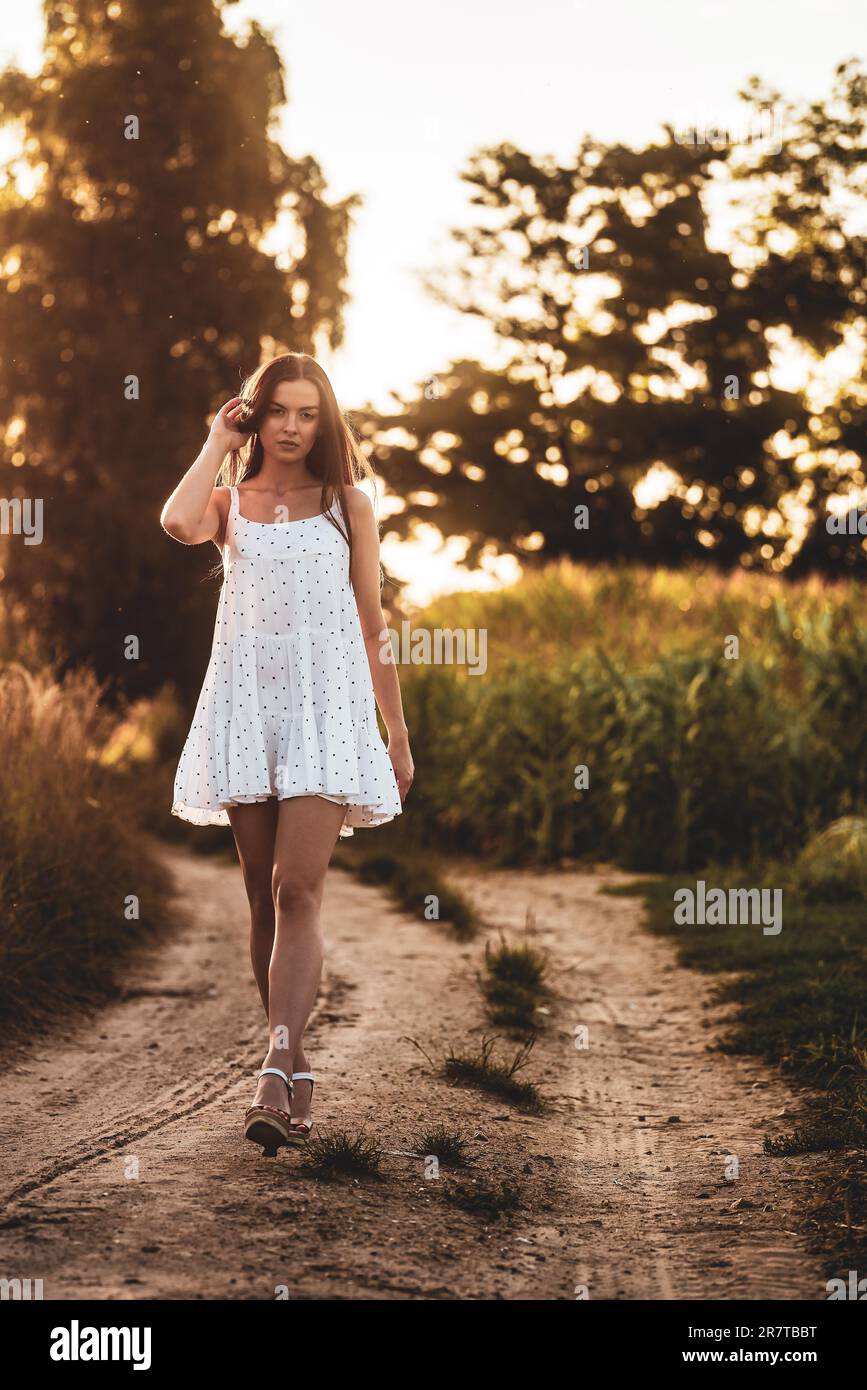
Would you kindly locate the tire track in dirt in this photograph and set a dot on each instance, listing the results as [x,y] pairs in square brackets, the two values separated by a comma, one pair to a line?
[142,1185]
[130,1127]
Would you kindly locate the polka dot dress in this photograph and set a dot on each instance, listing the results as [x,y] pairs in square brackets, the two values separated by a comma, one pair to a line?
[287,706]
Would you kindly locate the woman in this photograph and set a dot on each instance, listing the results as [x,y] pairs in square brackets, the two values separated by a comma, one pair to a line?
[284,744]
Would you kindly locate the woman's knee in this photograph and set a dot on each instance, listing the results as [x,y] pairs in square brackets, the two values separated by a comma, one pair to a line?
[294,891]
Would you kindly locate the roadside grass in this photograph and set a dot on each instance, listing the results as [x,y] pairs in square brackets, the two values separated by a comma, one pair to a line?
[414,882]
[340,1153]
[513,983]
[79,887]
[482,1071]
[445,1145]
[802,1006]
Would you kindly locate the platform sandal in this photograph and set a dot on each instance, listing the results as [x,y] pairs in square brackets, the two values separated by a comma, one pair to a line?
[299,1130]
[265,1124]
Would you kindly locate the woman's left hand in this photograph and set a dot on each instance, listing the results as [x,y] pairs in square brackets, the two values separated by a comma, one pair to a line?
[401,761]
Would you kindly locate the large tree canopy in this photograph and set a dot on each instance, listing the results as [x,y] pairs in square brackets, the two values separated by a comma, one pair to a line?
[134,291]
[636,342]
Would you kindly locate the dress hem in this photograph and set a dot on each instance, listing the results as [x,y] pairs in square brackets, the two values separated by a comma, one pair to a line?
[207,816]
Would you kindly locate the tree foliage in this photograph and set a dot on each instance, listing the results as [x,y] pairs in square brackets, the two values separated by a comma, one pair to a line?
[633,338]
[135,293]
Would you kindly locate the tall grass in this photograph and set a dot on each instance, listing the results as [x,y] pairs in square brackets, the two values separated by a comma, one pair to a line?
[637,614]
[71,867]
[691,754]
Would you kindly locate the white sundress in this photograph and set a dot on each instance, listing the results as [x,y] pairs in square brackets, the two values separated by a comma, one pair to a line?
[287,706]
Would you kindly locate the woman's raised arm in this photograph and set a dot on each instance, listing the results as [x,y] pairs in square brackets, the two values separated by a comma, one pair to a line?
[195,510]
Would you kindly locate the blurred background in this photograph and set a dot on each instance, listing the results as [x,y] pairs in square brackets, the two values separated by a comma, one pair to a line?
[590,285]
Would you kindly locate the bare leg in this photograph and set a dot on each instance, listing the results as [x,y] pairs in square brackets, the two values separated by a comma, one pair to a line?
[307,830]
[255,827]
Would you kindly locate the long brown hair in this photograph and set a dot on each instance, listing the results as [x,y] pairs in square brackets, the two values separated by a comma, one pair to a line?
[336,456]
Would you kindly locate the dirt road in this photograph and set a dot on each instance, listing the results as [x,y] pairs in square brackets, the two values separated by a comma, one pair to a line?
[136,1181]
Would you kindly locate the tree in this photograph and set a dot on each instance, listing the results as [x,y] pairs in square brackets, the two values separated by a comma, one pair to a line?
[135,293]
[633,341]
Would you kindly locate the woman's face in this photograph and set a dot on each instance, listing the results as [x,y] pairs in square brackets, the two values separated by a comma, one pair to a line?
[291,420]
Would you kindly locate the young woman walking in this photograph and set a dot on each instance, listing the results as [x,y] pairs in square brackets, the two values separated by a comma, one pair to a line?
[284,745]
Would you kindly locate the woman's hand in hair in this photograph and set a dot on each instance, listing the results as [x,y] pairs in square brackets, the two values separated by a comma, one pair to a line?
[221,428]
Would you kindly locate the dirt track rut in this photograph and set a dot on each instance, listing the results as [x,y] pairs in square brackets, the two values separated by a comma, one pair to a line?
[141,1185]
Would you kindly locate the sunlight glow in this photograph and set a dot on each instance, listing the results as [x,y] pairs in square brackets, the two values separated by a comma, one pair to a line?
[431,565]
[659,482]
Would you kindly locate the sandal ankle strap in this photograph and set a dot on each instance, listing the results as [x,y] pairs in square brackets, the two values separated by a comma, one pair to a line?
[303,1076]
[275,1071]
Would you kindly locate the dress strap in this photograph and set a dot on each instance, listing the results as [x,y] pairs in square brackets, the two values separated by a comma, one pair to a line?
[231,514]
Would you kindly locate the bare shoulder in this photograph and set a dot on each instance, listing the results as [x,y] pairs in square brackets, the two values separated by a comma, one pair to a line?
[358,503]
[221,498]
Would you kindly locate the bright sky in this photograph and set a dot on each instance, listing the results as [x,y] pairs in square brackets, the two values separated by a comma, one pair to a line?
[391,98]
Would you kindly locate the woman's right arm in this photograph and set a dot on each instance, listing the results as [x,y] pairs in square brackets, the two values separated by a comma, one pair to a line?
[193,513]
